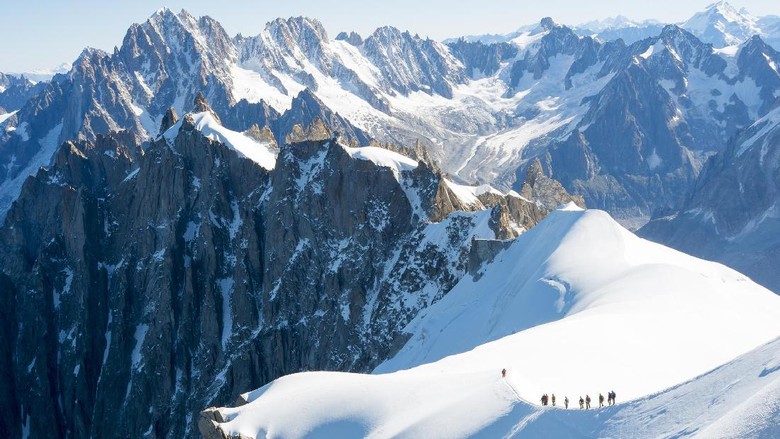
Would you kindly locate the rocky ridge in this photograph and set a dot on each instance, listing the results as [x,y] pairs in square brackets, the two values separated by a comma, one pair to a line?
[481,110]
[178,266]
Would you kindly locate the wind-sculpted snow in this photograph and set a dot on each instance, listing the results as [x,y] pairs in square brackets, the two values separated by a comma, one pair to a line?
[576,306]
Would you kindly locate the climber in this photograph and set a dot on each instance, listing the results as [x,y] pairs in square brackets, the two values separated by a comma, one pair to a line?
[566,401]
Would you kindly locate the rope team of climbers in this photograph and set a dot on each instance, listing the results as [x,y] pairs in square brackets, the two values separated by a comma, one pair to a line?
[584,402]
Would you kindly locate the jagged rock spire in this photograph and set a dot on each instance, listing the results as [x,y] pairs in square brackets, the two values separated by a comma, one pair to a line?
[548,192]
[352,38]
[168,120]
[262,135]
[201,105]
[535,171]
[318,131]
[296,134]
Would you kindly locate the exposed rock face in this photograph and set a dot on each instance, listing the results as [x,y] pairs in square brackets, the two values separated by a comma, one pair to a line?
[352,38]
[482,59]
[425,65]
[201,105]
[15,91]
[627,127]
[263,135]
[731,215]
[546,191]
[168,120]
[148,283]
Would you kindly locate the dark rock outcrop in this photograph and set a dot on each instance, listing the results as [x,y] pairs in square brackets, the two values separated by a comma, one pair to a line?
[731,215]
[153,282]
[168,120]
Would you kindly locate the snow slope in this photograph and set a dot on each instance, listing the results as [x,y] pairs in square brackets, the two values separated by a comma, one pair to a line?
[383,157]
[738,400]
[258,152]
[6,116]
[578,305]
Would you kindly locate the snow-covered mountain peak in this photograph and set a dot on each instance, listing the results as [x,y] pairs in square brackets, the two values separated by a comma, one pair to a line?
[388,34]
[580,269]
[161,12]
[210,127]
[165,20]
[683,42]
[206,32]
[756,43]
[299,29]
[617,22]
[722,25]
[89,56]
[547,23]
[725,10]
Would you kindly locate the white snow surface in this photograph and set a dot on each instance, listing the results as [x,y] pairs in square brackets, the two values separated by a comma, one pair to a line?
[383,157]
[6,116]
[205,122]
[722,23]
[764,125]
[468,194]
[577,305]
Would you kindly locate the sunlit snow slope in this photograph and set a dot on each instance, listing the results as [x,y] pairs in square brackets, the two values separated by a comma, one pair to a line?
[258,152]
[577,305]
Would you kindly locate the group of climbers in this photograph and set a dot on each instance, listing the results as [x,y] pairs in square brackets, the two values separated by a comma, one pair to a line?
[584,402]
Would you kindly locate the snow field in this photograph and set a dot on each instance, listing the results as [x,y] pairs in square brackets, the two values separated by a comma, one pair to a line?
[577,305]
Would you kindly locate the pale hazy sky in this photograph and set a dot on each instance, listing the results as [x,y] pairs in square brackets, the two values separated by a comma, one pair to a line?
[37,34]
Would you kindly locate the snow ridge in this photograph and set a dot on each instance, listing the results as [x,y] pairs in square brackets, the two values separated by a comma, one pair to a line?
[561,309]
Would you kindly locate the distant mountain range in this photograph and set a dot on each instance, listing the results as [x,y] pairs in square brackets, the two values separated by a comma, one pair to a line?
[720,24]
[628,127]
